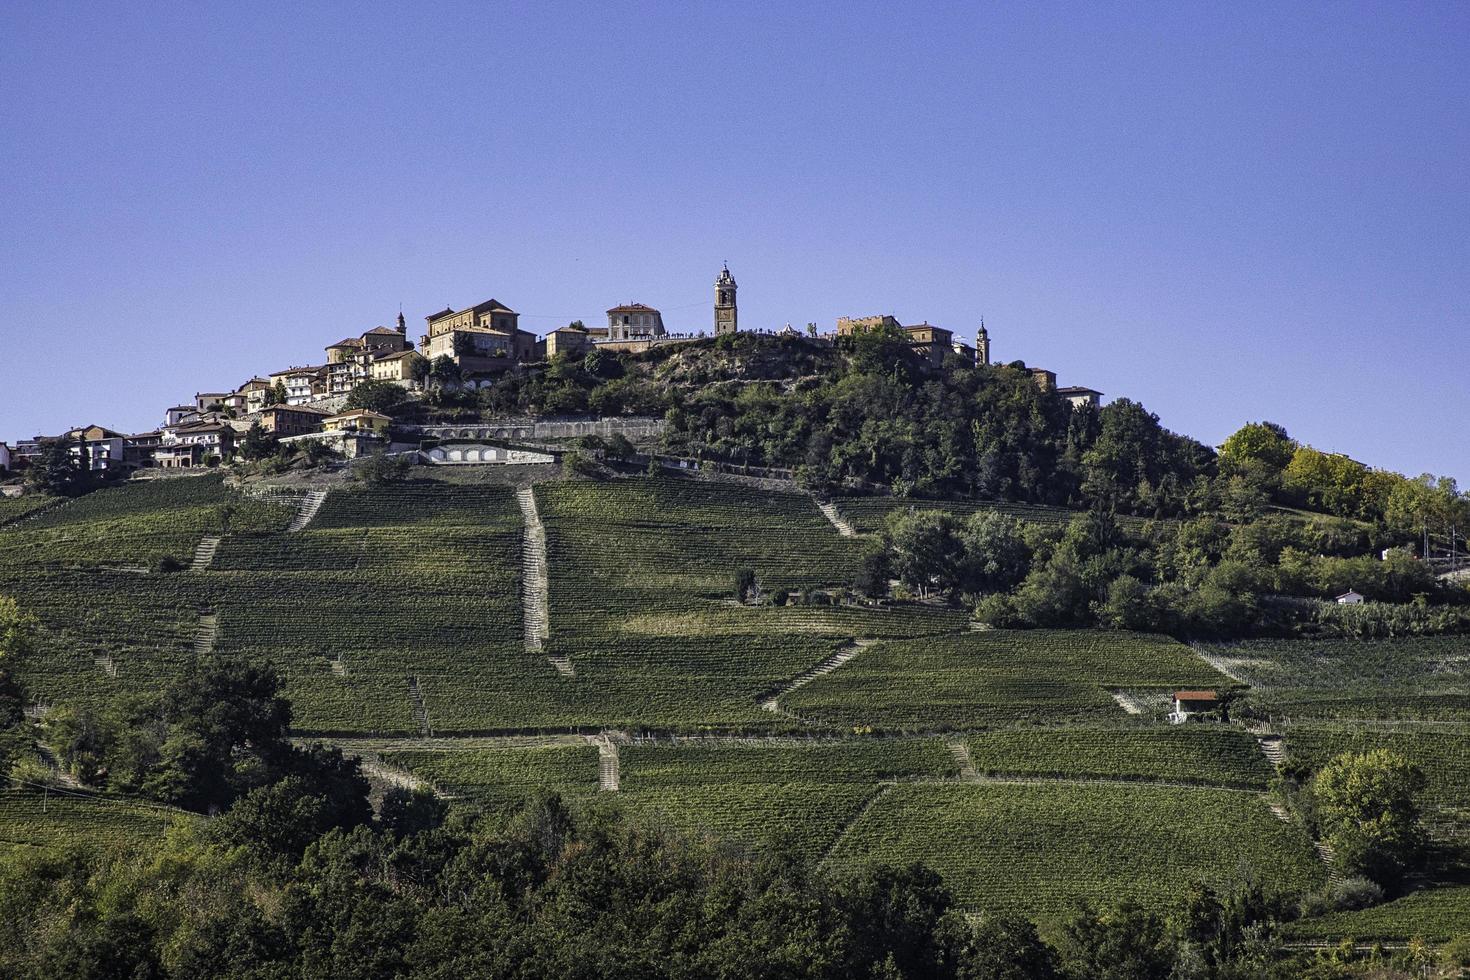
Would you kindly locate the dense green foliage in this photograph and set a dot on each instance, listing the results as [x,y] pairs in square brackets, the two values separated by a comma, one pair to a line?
[1441,752]
[1366,807]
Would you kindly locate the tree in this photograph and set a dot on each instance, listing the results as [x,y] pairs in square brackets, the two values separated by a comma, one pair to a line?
[56,471]
[276,393]
[258,443]
[380,468]
[17,645]
[405,812]
[925,550]
[417,368]
[1128,606]
[997,556]
[1002,948]
[873,574]
[1367,810]
[445,370]
[745,584]
[227,732]
[1121,943]
[619,446]
[1263,444]
[278,820]
[376,395]
[17,634]
[601,364]
[1328,482]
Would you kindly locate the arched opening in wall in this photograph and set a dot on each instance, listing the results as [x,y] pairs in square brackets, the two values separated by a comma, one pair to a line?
[455,455]
[464,434]
[520,433]
[500,433]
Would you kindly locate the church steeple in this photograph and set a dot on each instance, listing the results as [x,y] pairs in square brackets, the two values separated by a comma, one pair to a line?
[982,344]
[727,318]
[402,324]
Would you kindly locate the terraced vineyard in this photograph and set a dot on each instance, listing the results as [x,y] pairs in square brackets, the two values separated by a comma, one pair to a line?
[803,795]
[998,677]
[1037,849]
[1436,914]
[397,611]
[1442,752]
[14,508]
[1203,754]
[1412,678]
[641,574]
[136,524]
[32,818]
[500,780]
[418,579]
[82,569]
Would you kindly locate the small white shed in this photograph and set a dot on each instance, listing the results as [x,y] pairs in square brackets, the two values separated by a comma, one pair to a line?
[1350,598]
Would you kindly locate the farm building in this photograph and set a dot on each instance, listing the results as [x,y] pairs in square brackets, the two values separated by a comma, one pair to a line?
[1350,598]
[1188,703]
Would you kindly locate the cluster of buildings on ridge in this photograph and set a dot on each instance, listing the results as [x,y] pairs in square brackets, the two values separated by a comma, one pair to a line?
[481,341]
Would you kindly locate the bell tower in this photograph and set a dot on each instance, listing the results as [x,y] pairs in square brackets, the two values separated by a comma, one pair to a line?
[726,316]
[982,345]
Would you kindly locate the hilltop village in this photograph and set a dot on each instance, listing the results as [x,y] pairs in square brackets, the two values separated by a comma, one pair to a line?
[467,349]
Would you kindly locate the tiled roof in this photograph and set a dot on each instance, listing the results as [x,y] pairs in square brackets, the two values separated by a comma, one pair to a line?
[633,308]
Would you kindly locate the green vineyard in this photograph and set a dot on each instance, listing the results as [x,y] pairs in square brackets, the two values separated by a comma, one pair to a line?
[851,731]
[1423,678]
[1038,849]
[999,677]
[1206,755]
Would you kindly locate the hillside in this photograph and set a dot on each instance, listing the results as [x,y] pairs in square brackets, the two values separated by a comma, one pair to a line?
[485,638]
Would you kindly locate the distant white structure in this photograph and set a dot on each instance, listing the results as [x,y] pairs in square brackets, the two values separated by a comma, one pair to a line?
[1350,598]
[481,455]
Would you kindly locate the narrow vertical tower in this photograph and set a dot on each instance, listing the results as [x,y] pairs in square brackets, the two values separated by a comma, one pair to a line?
[982,345]
[402,324]
[726,316]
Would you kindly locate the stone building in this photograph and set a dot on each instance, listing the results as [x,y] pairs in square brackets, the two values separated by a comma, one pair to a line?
[727,314]
[351,361]
[483,338]
[1081,397]
[571,340]
[634,321]
[930,342]
[291,420]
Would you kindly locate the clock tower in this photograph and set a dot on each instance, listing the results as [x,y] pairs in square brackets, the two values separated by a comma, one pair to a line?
[726,317]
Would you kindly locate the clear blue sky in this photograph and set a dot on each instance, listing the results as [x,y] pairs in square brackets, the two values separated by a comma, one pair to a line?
[1226,211]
